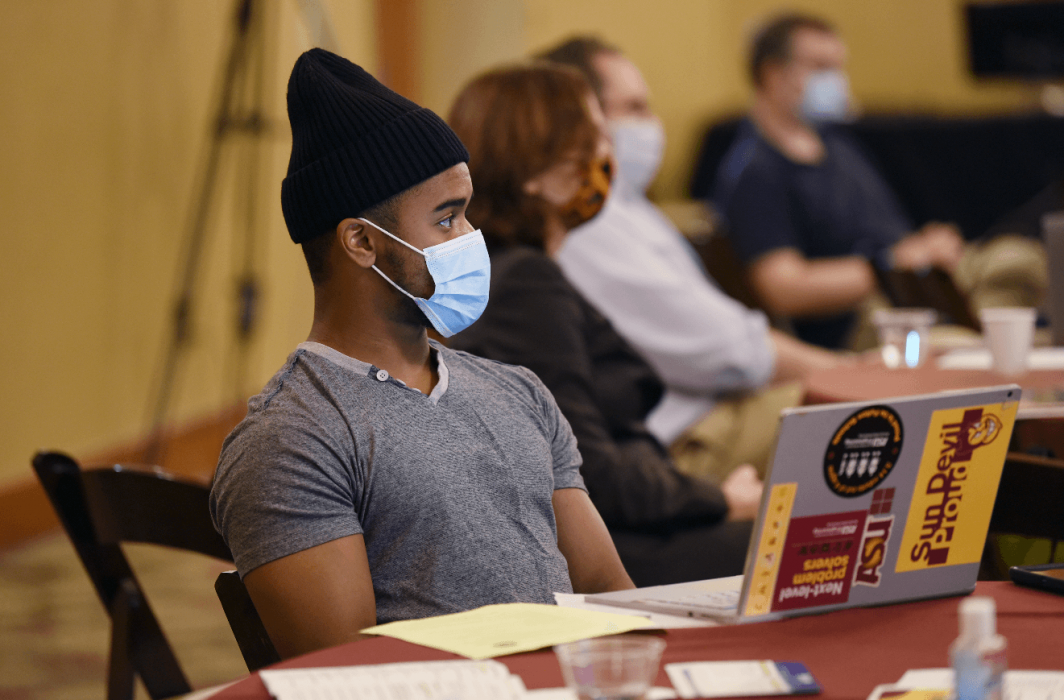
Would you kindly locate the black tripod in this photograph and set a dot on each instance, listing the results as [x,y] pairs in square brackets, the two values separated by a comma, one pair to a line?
[240,112]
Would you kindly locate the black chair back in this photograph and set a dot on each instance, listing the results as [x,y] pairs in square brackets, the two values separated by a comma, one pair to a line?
[1030,499]
[99,509]
[255,643]
[1030,503]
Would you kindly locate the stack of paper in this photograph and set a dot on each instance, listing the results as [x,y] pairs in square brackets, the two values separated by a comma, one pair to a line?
[508,628]
[425,680]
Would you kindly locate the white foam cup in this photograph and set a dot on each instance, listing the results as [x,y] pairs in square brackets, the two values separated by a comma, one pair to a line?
[1008,333]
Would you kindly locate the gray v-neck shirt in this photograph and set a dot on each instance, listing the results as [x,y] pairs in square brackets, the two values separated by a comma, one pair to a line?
[451,491]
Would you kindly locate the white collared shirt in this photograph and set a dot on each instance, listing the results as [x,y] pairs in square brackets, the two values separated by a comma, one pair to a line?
[639,271]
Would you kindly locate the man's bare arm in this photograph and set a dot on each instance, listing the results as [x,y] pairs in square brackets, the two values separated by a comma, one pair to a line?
[316,598]
[796,360]
[594,566]
[791,285]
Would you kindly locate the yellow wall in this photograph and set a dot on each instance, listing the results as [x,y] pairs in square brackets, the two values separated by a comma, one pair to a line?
[103,110]
[460,38]
[905,55]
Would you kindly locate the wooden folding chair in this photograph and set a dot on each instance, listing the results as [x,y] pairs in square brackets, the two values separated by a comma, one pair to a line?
[255,643]
[101,508]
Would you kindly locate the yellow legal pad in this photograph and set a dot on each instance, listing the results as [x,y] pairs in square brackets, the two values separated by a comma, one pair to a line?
[510,628]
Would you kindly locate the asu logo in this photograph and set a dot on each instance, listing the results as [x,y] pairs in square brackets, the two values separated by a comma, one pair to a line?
[873,550]
[984,431]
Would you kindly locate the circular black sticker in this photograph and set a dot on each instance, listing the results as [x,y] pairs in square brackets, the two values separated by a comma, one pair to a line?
[863,451]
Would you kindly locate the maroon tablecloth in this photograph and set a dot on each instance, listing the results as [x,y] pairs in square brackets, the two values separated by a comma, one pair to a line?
[849,652]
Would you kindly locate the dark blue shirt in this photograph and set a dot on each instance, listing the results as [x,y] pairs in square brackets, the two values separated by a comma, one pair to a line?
[840,206]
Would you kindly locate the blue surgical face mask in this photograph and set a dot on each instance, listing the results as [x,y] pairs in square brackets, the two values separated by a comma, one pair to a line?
[826,97]
[638,145]
[461,270]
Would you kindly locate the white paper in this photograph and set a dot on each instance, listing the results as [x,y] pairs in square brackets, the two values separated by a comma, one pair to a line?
[552,694]
[880,689]
[426,680]
[724,679]
[1019,684]
[925,679]
[655,693]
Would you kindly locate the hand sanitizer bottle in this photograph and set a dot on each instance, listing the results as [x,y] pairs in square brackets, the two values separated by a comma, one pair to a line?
[978,654]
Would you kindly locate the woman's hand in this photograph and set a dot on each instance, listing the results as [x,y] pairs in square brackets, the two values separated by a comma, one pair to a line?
[742,489]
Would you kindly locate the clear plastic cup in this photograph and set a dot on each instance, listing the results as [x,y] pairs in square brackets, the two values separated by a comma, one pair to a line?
[611,668]
[1008,333]
[904,335]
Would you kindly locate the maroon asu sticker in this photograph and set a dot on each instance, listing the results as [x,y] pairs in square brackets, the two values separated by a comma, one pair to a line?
[818,560]
[873,550]
[876,536]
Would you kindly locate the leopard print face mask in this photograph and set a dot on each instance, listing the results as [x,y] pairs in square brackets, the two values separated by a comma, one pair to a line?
[590,198]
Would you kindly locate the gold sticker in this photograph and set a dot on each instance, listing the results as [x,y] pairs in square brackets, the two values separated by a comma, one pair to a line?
[770,549]
[955,490]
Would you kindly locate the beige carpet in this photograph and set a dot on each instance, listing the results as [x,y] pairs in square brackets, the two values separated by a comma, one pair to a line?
[54,634]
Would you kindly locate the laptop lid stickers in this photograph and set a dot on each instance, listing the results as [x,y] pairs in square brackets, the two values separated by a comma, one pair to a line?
[870,504]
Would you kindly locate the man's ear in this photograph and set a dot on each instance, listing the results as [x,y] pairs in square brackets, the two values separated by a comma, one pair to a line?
[773,71]
[355,243]
[532,187]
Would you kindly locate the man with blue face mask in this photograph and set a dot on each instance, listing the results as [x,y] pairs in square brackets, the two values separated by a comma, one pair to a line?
[379,475]
[637,269]
[805,209]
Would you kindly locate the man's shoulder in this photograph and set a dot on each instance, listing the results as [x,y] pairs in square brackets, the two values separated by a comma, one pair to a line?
[301,399]
[305,378]
[847,151]
[478,375]
[750,157]
[482,373]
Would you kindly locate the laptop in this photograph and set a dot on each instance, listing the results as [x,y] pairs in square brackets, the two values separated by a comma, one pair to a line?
[864,504]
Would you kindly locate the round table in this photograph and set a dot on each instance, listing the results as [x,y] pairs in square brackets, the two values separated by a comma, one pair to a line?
[849,651]
[873,382]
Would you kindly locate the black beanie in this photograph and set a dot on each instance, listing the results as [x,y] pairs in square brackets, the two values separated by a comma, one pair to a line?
[355,143]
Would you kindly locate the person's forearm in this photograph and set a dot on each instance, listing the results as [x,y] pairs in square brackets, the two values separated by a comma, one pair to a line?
[796,360]
[790,285]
